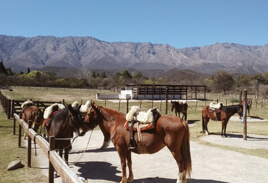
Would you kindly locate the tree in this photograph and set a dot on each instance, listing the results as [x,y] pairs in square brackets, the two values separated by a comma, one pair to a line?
[126,75]
[223,81]
[28,70]
[103,75]
[3,70]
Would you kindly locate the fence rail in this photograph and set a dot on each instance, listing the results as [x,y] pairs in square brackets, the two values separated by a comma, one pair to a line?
[67,175]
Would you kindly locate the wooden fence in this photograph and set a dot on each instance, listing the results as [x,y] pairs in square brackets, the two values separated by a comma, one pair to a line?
[14,106]
[55,161]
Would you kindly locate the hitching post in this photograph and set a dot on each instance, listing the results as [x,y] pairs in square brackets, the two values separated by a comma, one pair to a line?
[29,144]
[245,117]
[50,166]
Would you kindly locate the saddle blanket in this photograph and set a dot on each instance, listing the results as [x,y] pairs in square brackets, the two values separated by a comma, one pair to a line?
[141,126]
[48,120]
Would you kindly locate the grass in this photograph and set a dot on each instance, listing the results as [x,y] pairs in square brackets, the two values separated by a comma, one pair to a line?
[10,151]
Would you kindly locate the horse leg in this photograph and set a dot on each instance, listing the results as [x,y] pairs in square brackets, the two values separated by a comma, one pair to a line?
[66,155]
[175,150]
[205,125]
[122,157]
[129,164]
[223,128]
[106,142]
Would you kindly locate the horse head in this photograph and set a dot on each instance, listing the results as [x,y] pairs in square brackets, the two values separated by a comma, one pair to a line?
[172,105]
[38,119]
[93,116]
[240,110]
[76,122]
[156,114]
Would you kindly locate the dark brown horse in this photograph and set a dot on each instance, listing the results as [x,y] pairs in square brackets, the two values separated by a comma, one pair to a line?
[170,131]
[249,103]
[223,115]
[64,123]
[180,107]
[33,113]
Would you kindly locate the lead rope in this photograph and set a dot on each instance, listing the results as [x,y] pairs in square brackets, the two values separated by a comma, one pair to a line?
[84,149]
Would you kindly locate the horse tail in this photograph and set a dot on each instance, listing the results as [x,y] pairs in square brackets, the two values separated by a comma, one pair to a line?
[186,149]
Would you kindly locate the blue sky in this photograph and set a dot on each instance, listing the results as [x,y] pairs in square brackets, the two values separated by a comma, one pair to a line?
[179,23]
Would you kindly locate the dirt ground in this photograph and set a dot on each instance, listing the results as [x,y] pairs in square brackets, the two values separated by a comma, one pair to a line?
[209,164]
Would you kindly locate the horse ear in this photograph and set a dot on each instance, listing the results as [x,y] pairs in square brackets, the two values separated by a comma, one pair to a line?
[70,109]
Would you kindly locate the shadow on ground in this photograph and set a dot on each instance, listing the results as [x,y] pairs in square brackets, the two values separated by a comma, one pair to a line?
[251,138]
[96,170]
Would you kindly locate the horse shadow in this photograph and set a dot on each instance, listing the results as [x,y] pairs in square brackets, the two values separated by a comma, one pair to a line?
[256,117]
[96,170]
[192,121]
[231,135]
[110,149]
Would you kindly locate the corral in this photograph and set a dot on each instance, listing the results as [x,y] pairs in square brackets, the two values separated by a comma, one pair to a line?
[95,163]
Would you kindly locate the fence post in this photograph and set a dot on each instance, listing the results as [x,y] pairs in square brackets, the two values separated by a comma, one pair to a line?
[19,140]
[29,144]
[50,167]
[166,100]
[14,126]
[245,117]
[9,109]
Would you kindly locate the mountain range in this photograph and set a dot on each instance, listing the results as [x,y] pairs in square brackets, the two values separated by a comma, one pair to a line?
[42,52]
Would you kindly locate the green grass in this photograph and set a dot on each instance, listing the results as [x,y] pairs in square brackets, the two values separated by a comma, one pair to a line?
[10,152]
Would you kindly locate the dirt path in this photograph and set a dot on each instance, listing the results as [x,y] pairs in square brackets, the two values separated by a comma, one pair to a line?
[209,164]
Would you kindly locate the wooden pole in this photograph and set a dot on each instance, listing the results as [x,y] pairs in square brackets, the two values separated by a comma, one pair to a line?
[127,105]
[50,166]
[29,144]
[166,99]
[245,117]
[14,126]
[19,141]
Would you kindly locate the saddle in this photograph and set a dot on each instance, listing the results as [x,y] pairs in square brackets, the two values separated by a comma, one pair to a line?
[25,104]
[215,108]
[138,121]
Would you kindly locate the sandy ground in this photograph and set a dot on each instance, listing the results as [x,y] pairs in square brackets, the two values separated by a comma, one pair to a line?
[209,164]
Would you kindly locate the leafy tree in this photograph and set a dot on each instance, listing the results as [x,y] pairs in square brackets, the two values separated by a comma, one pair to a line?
[3,69]
[103,75]
[94,74]
[223,81]
[126,75]
[28,70]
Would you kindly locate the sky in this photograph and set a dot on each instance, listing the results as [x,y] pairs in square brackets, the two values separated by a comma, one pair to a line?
[179,23]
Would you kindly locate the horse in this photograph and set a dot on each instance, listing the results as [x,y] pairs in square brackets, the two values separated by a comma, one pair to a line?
[179,107]
[249,103]
[223,115]
[31,112]
[170,131]
[62,126]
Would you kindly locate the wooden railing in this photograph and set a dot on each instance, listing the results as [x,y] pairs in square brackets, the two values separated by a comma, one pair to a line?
[67,175]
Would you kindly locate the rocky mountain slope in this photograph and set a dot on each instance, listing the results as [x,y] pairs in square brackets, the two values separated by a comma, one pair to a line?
[90,53]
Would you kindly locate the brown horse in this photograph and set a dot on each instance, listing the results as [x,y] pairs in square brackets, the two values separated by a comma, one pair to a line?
[180,107]
[223,115]
[31,112]
[170,131]
[249,103]
[64,123]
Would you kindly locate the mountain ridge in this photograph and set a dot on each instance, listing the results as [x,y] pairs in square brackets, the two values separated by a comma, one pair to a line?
[39,52]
